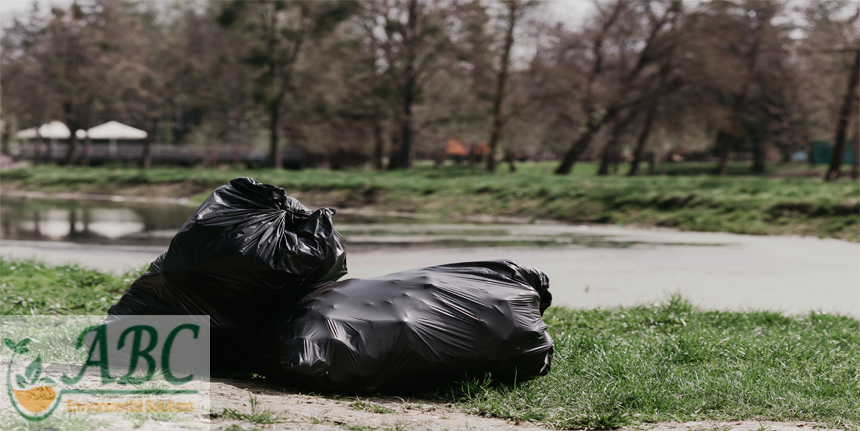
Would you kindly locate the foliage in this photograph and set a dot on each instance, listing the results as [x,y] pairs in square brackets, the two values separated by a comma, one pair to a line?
[348,81]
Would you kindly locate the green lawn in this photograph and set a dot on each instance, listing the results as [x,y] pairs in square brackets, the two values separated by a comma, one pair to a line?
[673,362]
[612,367]
[758,205]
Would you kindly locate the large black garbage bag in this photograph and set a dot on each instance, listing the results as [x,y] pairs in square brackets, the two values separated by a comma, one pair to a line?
[248,250]
[414,329]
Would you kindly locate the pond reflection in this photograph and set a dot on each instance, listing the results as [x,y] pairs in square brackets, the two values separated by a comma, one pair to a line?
[92,222]
[155,224]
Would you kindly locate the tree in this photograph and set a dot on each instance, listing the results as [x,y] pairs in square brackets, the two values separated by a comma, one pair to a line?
[760,19]
[277,31]
[27,101]
[625,94]
[407,39]
[514,11]
[842,123]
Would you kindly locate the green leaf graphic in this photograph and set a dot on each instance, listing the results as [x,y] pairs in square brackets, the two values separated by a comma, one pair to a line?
[10,344]
[47,380]
[22,383]
[21,347]
[34,370]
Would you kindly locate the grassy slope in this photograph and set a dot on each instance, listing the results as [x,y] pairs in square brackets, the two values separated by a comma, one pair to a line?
[666,362]
[740,204]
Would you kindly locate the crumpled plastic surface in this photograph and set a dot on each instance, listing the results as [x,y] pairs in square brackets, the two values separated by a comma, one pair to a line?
[247,250]
[414,329]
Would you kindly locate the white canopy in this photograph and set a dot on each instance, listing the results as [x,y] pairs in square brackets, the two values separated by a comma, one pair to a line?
[27,133]
[52,130]
[115,130]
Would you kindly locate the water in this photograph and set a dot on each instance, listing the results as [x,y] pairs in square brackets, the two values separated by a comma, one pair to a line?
[588,266]
[154,224]
[90,221]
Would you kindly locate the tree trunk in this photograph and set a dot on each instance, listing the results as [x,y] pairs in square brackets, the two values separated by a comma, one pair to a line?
[401,154]
[37,151]
[50,151]
[4,137]
[581,144]
[512,162]
[759,154]
[379,146]
[643,139]
[737,108]
[610,151]
[652,163]
[501,81]
[88,149]
[608,156]
[146,162]
[842,124]
[72,155]
[274,149]
[855,154]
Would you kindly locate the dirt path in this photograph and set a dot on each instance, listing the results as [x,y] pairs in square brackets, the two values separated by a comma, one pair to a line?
[306,412]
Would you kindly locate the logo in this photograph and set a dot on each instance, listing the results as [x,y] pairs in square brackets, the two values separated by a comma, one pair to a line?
[128,364]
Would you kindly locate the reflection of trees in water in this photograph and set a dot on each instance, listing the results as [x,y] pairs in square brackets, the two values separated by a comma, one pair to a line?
[74,233]
[102,222]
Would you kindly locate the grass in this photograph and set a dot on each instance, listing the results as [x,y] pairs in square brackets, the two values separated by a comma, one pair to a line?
[673,362]
[613,367]
[257,415]
[761,205]
[31,287]
[370,407]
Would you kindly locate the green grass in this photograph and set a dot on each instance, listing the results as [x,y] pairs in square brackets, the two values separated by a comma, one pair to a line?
[760,205]
[612,367]
[673,362]
[30,287]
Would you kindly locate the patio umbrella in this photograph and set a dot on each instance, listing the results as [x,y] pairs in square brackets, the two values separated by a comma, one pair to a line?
[54,130]
[27,133]
[114,130]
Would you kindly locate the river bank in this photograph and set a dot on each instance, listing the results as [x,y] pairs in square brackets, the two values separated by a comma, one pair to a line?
[739,204]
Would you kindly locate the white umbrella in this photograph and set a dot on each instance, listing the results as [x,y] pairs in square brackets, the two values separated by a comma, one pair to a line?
[115,130]
[27,133]
[54,130]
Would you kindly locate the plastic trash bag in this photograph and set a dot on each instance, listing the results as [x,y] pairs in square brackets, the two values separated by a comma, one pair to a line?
[248,250]
[414,329]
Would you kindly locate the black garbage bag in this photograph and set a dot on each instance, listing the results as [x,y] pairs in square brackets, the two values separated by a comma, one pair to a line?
[246,252]
[415,329]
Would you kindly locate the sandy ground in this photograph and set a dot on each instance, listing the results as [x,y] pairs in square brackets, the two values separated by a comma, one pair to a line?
[295,411]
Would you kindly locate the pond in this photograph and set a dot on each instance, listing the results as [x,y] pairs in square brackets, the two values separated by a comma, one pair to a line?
[588,266]
[154,224]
